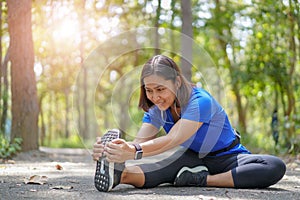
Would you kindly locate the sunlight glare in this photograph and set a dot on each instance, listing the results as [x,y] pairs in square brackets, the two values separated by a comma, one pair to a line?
[38,69]
[66,29]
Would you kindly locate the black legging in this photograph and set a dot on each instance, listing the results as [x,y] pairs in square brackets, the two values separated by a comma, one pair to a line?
[248,170]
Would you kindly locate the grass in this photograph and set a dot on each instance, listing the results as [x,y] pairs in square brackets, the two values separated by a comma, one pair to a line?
[73,141]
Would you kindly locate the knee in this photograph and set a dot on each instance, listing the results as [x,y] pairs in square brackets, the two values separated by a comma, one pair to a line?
[277,170]
[280,168]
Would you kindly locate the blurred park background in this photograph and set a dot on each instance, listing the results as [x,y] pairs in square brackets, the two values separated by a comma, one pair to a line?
[70,68]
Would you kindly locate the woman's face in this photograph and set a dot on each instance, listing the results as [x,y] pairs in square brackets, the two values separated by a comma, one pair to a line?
[159,91]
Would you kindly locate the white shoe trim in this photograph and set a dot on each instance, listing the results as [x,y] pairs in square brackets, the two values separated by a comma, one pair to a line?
[193,170]
[111,175]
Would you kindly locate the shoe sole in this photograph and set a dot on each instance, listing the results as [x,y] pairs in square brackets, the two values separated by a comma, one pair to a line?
[193,170]
[104,175]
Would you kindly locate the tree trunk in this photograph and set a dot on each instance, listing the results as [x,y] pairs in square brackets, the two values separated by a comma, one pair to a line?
[0,48]
[67,133]
[2,124]
[82,94]
[291,108]
[50,118]
[23,84]
[85,103]
[42,132]
[172,27]
[158,10]
[78,107]
[187,39]
[242,126]
[4,95]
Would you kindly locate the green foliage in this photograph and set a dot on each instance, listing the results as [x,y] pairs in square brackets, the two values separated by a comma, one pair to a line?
[73,142]
[251,45]
[9,149]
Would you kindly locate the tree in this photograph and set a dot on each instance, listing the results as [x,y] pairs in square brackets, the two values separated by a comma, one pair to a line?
[186,39]
[23,84]
[158,12]
[274,52]
[83,115]
[3,77]
[4,94]
[222,27]
[1,71]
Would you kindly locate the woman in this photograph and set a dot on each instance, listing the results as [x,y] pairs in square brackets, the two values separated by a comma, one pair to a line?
[192,118]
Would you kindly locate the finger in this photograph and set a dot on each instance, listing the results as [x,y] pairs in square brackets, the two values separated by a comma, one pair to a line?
[98,148]
[109,160]
[96,156]
[98,140]
[112,151]
[112,158]
[113,145]
[98,151]
[118,141]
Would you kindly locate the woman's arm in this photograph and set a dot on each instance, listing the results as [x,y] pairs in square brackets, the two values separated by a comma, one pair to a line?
[119,150]
[146,132]
[180,132]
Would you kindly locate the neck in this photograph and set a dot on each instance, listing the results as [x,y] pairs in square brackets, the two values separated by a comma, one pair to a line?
[175,111]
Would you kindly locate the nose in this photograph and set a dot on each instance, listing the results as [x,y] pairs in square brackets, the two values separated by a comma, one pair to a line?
[155,96]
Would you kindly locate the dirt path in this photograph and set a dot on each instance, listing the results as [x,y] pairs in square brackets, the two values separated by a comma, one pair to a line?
[68,174]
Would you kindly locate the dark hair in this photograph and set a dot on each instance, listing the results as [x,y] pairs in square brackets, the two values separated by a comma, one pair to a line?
[165,67]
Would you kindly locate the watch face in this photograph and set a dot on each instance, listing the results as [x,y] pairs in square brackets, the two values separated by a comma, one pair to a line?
[138,155]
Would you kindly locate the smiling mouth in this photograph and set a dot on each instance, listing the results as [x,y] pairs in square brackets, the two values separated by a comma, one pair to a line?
[159,103]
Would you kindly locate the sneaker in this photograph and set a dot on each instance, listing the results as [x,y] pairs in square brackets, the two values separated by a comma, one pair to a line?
[108,174]
[192,176]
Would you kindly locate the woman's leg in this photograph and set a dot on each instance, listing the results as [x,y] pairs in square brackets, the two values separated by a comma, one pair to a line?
[258,171]
[244,171]
[220,180]
[133,175]
[164,171]
[219,175]
[239,171]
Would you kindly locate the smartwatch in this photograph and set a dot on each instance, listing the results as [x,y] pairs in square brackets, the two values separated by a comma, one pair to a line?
[139,152]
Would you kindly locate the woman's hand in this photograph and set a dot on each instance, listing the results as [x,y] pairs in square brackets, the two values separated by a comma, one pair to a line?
[98,149]
[119,151]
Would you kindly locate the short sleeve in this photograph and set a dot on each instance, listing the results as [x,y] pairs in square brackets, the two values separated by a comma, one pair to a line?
[153,117]
[199,108]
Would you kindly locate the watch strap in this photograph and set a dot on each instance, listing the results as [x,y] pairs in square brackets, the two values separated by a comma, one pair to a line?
[139,151]
[137,147]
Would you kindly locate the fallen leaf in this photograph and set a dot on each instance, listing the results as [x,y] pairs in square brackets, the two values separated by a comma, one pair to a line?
[11,162]
[36,179]
[59,167]
[226,193]
[72,181]
[61,187]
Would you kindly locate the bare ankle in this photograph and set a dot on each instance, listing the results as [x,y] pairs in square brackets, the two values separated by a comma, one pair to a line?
[133,175]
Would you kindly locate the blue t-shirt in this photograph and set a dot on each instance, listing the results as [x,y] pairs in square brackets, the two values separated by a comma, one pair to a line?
[216,131]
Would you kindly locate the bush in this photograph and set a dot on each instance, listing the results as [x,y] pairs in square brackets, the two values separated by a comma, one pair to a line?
[9,149]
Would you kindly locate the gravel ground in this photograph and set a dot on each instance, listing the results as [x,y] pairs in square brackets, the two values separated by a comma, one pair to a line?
[69,173]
